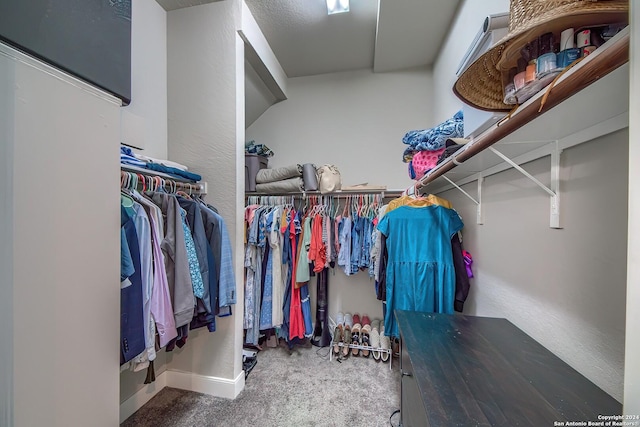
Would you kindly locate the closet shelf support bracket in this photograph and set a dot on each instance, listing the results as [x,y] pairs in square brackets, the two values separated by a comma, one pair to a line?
[478,202]
[554,191]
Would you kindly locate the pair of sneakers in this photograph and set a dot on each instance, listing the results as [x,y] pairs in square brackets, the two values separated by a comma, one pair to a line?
[380,342]
[342,334]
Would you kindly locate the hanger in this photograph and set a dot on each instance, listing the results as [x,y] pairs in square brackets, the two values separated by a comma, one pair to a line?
[183,194]
[346,206]
[336,202]
[125,199]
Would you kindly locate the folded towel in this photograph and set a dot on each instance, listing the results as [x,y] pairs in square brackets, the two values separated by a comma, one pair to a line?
[278,174]
[285,186]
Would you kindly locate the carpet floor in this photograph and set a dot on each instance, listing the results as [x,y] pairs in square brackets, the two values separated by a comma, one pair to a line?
[288,388]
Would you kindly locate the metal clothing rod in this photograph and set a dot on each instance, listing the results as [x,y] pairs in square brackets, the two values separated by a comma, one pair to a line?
[463,192]
[522,171]
[147,181]
[339,195]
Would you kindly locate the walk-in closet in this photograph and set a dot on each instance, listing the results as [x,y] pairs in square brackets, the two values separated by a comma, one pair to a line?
[317,212]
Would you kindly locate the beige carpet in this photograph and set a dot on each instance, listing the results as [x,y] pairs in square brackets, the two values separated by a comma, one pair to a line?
[299,389]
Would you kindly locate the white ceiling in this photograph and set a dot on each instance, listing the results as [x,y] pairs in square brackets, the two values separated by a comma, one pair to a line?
[399,34]
[381,35]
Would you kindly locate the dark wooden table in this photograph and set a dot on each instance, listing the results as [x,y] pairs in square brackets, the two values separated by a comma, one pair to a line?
[478,371]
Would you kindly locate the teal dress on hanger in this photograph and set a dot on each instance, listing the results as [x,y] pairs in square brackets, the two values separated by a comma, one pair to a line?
[420,271]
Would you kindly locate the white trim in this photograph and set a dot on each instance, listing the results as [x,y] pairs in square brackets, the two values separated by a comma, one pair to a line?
[215,386]
[138,400]
[18,56]
[259,54]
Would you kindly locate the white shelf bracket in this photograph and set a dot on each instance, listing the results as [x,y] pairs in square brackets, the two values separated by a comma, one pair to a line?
[556,151]
[477,202]
[479,218]
[554,191]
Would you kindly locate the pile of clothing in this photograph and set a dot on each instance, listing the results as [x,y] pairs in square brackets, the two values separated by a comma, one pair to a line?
[176,170]
[250,147]
[426,148]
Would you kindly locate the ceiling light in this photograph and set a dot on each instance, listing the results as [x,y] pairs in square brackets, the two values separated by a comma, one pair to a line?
[337,6]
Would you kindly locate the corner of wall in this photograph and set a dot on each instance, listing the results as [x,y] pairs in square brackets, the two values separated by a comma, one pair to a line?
[467,23]
[144,120]
[632,342]
[205,132]
[7,121]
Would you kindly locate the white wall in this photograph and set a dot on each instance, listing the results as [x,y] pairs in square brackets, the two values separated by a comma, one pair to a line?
[145,119]
[469,19]
[203,73]
[65,304]
[148,110]
[352,294]
[632,367]
[565,288]
[355,120]
[6,242]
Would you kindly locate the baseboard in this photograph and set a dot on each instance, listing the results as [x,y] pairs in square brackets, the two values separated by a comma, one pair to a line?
[135,402]
[220,387]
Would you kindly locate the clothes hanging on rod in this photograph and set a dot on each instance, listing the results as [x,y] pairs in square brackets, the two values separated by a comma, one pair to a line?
[288,241]
[176,267]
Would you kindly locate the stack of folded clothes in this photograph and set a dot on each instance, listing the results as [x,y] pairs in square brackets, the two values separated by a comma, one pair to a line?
[286,179]
[426,146]
[128,157]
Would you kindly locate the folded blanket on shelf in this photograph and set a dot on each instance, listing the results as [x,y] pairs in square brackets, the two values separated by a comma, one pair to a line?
[128,160]
[173,171]
[285,186]
[434,138]
[278,174]
[168,163]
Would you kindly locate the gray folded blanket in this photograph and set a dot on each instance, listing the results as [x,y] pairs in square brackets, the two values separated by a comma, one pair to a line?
[278,174]
[284,186]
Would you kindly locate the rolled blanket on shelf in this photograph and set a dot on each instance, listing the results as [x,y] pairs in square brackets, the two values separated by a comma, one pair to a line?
[285,186]
[278,174]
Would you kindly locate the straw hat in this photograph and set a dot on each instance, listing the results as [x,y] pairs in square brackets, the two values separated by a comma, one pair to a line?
[481,85]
